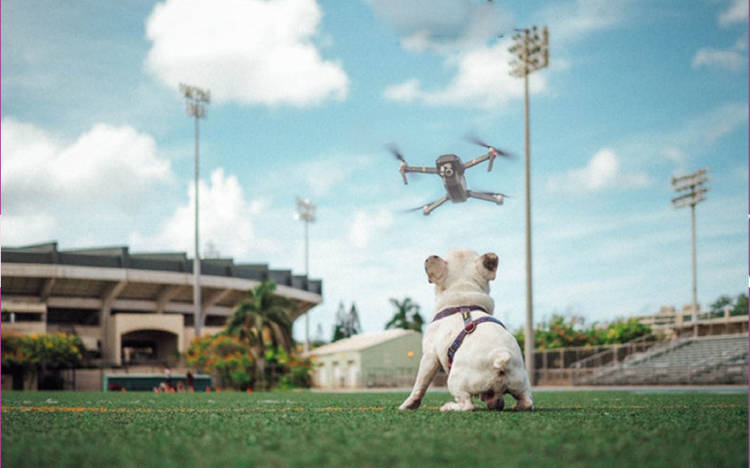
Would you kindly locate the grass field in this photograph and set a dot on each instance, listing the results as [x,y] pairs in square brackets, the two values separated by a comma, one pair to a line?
[313,429]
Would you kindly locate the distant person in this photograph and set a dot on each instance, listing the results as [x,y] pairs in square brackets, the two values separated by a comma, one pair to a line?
[190,381]
[168,375]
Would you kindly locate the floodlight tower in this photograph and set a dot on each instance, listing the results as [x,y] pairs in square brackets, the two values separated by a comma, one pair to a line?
[306,213]
[691,192]
[532,53]
[195,98]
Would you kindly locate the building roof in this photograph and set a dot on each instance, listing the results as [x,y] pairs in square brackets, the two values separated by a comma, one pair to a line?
[121,257]
[115,278]
[361,341]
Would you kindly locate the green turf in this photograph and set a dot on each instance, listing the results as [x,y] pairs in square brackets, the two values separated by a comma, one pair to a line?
[311,429]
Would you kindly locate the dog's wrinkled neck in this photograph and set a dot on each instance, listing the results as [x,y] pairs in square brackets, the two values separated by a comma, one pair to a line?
[449,298]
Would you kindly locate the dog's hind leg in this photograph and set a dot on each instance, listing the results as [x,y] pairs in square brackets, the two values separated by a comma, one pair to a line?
[523,398]
[428,367]
[463,403]
[457,386]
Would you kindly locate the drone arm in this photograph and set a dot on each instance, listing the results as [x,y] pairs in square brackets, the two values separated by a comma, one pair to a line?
[430,207]
[423,170]
[490,197]
[476,161]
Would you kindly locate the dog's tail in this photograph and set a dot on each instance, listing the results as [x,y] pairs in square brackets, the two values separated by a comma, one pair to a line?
[500,359]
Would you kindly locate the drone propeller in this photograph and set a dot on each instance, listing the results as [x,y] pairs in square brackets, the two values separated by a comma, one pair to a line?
[411,210]
[491,150]
[396,153]
[478,141]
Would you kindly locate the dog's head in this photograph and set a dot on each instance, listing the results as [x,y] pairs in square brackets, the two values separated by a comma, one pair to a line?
[461,268]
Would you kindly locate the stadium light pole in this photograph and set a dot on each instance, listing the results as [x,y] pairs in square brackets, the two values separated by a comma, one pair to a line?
[306,213]
[691,191]
[531,53]
[195,98]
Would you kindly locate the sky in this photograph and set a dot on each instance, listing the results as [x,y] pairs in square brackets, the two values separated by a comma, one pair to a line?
[97,148]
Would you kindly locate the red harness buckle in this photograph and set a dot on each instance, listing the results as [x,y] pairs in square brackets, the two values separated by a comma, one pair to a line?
[469,327]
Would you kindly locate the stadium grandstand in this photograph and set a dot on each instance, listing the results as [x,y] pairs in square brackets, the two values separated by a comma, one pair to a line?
[707,350]
[131,308]
[695,360]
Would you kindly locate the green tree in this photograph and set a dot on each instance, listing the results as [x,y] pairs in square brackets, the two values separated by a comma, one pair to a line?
[717,307]
[261,321]
[347,324]
[407,315]
[31,354]
[740,305]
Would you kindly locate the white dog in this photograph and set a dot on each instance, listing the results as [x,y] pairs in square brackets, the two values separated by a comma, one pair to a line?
[487,360]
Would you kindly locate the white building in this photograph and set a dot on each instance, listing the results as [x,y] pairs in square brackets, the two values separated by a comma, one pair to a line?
[382,359]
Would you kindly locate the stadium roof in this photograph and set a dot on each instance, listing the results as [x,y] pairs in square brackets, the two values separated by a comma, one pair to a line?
[114,278]
[121,257]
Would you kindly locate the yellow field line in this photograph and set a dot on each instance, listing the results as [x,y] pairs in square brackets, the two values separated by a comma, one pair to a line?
[81,409]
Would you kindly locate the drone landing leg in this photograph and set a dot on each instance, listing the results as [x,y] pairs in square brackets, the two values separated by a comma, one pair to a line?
[431,206]
[490,197]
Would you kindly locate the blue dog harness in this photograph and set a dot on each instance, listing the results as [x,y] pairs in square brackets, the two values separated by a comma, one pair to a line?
[469,325]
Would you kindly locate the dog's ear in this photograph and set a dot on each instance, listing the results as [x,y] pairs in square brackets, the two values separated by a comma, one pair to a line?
[435,267]
[487,266]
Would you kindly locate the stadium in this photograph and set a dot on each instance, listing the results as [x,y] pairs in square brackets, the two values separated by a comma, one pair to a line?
[131,309]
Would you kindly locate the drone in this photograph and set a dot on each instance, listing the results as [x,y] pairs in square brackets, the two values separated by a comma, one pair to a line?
[451,169]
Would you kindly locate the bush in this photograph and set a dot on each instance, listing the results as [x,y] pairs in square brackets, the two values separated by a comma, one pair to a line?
[560,333]
[225,356]
[285,371]
[58,350]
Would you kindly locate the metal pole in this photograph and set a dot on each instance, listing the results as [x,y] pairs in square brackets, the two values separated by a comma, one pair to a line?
[307,275]
[196,259]
[695,272]
[529,340]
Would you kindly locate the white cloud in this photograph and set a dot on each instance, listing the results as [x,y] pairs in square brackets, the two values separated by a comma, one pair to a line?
[225,221]
[104,175]
[26,228]
[466,40]
[719,122]
[677,156]
[482,81]
[737,12]
[443,25]
[323,174]
[109,163]
[366,225]
[732,59]
[572,20]
[249,51]
[603,171]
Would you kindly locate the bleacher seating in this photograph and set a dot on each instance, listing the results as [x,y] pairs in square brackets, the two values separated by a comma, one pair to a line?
[705,360]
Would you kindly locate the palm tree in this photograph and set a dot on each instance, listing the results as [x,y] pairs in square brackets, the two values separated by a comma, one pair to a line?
[262,320]
[407,315]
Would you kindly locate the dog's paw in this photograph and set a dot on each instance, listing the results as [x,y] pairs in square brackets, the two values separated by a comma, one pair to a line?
[524,405]
[450,406]
[410,405]
[454,406]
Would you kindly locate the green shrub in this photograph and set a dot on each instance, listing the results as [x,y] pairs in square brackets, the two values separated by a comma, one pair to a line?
[58,350]
[560,332]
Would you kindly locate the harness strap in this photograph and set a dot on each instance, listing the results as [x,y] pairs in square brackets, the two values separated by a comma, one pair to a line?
[463,310]
[468,329]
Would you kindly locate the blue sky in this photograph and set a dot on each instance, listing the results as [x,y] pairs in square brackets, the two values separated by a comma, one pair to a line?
[97,148]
